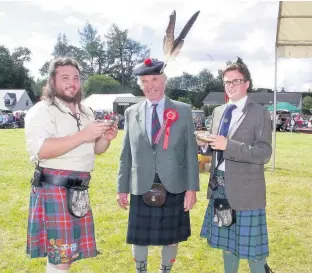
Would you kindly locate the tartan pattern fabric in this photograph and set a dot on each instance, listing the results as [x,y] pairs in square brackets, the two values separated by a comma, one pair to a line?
[164,225]
[52,231]
[247,238]
[155,123]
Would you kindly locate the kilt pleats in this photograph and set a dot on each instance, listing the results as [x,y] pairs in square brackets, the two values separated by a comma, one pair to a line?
[247,238]
[164,225]
[52,231]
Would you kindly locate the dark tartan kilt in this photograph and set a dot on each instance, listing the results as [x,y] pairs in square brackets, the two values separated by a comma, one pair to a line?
[52,231]
[247,238]
[164,225]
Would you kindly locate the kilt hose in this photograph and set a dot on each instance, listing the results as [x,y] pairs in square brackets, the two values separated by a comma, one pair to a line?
[158,226]
[52,231]
[247,238]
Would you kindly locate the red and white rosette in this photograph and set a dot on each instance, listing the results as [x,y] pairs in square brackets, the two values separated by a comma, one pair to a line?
[170,116]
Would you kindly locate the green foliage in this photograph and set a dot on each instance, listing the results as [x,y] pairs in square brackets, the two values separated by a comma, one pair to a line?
[13,73]
[101,84]
[185,100]
[115,55]
[307,105]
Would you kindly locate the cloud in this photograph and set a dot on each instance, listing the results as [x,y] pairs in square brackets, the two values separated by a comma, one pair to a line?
[2,13]
[223,30]
[71,20]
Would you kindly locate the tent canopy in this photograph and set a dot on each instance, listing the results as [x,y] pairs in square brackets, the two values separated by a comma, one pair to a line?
[294,35]
[284,106]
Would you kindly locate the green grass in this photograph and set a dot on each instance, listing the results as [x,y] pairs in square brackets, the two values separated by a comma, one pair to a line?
[289,200]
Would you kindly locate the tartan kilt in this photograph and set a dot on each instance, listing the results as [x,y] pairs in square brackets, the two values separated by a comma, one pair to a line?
[247,238]
[165,225]
[53,232]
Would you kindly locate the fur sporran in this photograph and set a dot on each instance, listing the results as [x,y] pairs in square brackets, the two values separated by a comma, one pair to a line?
[224,214]
[78,201]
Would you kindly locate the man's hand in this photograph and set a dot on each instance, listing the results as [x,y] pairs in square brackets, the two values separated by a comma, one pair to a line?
[201,143]
[94,131]
[122,199]
[189,200]
[217,142]
[111,132]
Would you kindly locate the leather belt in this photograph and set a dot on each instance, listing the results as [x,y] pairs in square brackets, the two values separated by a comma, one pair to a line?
[65,181]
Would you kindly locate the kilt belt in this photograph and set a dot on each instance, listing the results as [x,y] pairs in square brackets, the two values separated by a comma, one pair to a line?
[65,181]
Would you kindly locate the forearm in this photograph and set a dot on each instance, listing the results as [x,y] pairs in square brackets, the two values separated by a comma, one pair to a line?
[101,146]
[55,147]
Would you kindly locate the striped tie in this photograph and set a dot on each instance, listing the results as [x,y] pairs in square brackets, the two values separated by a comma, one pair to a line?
[155,123]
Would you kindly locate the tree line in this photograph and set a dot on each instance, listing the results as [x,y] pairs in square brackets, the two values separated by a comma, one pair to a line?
[107,63]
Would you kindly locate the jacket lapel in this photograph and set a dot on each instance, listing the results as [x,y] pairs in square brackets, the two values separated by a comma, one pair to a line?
[240,120]
[141,121]
[219,117]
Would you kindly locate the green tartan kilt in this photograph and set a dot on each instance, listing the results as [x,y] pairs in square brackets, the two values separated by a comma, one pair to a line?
[247,238]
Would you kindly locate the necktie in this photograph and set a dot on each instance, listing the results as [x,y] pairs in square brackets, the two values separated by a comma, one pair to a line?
[155,123]
[226,121]
[224,128]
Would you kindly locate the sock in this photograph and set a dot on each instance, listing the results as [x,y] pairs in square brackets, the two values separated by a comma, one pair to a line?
[140,257]
[231,262]
[257,266]
[168,255]
[52,269]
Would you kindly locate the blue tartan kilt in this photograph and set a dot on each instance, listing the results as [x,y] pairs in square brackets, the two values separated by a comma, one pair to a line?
[247,238]
[165,225]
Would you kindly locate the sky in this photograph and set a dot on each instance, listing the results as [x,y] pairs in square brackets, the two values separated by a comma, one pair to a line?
[224,30]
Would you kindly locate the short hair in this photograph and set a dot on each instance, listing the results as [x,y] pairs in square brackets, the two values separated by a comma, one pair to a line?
[240,67]
[140,83]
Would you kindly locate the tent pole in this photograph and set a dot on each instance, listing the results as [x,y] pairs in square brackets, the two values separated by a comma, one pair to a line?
[274,113]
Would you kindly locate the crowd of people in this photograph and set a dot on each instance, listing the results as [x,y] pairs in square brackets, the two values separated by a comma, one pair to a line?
[10,120]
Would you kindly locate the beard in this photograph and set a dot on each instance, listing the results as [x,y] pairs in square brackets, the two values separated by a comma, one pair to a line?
[69,99]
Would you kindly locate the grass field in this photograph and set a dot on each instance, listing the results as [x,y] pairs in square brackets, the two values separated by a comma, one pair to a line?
[289,200]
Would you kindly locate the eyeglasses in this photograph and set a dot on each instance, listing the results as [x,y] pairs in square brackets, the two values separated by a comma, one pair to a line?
[234,82]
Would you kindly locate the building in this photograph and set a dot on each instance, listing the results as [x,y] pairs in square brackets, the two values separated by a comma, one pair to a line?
[122,103]
[13,100]
[263,98]
[100,102]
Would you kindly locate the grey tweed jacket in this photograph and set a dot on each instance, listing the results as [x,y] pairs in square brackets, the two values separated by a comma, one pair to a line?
[248,149]
[177,167]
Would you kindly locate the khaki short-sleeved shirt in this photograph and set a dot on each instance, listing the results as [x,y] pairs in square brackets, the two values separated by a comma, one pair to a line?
[44,121]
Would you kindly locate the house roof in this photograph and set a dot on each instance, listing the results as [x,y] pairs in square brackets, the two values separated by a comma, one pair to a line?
[12,93]
[129,99]
[217,98]
[103,101]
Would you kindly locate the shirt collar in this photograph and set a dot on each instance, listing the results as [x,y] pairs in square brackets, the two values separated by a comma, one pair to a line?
[240,103]
[161,103]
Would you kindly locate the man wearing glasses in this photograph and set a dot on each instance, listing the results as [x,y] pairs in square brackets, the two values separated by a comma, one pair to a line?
[240,142]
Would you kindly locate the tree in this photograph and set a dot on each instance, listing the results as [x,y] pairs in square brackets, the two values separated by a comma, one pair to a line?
[307,104]
[13,73]
[95,57]
[185,100]
[123,55]
[101,84]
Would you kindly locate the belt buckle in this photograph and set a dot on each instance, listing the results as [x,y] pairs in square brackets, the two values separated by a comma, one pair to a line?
[74,182]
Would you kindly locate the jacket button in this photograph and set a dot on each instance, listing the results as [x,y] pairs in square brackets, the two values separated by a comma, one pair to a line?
[154,152]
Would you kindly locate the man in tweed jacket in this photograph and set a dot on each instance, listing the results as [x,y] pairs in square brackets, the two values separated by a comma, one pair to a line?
[143,163]
[237,174]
